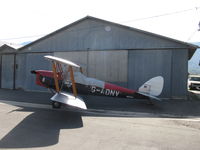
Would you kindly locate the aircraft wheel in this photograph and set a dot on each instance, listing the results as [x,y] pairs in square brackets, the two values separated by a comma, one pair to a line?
[56,104]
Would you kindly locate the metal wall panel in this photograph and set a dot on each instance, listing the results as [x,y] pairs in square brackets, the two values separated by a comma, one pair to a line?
[7,71]
[108,65]
[179,73]
[35,62]
[20,71]
[93,35]
[146,64]
[104,65]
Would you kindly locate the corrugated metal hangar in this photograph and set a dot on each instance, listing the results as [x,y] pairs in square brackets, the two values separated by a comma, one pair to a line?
[7,69]
[107,51]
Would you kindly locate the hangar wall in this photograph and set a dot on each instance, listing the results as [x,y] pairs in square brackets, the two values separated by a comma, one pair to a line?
[127,68]
[91,34]
[7,67]
[179,73]
[7,73]
[109,65]
[27,62]
[146,64]
[110,52]
[171,64]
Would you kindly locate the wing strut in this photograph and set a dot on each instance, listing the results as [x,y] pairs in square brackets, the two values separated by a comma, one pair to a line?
[55,76]
[73,81]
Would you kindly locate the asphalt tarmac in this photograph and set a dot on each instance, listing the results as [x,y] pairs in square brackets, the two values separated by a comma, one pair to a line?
[27,121]
[180,108]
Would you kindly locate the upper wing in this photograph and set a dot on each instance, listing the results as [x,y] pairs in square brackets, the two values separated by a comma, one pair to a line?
[60,60]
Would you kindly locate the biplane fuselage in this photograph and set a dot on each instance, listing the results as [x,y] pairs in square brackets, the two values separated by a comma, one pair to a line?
[68,83]
[85,85]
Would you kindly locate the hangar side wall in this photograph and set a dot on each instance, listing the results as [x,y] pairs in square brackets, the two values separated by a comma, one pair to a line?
[146,64]
[171,64]
[179,73]
[7,73]
[27,62]
[20,71]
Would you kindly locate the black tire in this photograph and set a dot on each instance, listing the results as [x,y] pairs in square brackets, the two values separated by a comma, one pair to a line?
[56,105]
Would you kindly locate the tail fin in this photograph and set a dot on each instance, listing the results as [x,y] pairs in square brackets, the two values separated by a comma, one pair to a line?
[153,87]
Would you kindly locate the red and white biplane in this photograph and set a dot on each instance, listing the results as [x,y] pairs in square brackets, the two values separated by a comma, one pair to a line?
[67,83]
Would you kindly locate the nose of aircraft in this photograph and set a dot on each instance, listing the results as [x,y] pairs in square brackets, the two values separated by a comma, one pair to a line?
[33,72]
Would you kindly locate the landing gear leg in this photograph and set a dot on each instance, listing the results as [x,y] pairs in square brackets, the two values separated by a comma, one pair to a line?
[56,104]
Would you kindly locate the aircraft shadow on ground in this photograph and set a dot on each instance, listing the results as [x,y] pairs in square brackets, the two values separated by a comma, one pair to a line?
[41,128]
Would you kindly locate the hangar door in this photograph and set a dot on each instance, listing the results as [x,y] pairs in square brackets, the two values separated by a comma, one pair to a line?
[107,65]
[7,72]
[35,62]
[146,64]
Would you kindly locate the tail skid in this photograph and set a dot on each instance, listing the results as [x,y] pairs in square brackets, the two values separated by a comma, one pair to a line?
[153,87]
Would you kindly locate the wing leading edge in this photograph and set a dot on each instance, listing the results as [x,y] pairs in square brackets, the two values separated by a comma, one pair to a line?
[61,60]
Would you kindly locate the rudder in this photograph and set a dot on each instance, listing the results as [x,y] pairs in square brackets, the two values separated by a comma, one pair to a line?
[153,86]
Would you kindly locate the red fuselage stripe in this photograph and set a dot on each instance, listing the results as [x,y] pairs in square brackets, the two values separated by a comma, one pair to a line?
[118,88]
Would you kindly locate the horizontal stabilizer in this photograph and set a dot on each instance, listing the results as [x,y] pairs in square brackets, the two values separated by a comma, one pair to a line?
[69,99]
[150,96]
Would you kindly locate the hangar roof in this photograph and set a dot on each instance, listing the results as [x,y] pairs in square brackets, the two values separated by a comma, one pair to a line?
[190,46]
[6,49]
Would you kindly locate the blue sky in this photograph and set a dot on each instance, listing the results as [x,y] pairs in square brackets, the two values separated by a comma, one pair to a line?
[25,20]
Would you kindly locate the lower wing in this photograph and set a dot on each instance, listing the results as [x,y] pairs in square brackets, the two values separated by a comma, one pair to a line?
[69,99]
